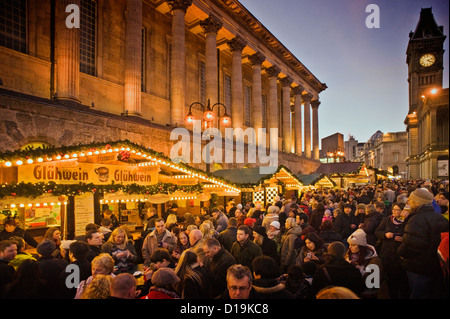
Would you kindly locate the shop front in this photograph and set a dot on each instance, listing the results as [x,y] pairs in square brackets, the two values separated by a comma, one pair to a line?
[261,188]
[70,187]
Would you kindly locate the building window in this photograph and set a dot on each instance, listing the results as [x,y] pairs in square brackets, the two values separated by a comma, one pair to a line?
[227,91]
[88,14]
[247,105]
[13,24]
[202,84]
[264,110]
[143,60]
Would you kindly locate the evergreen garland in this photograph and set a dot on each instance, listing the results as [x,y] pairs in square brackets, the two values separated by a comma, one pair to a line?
[33,190]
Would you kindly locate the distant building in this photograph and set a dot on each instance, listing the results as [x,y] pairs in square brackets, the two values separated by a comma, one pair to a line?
[332,148]
[386,151]
[427,122]
[351,149]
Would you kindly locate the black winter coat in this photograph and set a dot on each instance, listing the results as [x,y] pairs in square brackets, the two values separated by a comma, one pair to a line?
[217,269]
[422,236]
[342,225]
[341,273]
[227,237]
[370,225]
[388,252]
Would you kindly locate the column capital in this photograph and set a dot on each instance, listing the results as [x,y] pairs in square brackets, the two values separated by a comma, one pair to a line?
[307,97]
[297,90]
[211,24]
[286,81]
[257,59]
[237,44]
[315,104]
[273,71]
[179,4]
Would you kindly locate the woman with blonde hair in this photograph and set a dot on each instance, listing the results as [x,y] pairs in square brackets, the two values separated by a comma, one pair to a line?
[122,250]
[205,228]
[102,264]
[99,288]
[171,221]
[336,293]
[194,279]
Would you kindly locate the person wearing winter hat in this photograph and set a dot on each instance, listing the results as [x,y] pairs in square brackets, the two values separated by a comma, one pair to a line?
[359,252]
[274,232]
[268,246]
[418,250]
[336,271]
[421,196]
[52,268]
[272,215]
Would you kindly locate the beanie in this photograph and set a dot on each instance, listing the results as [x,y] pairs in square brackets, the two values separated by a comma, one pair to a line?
[421,196]
[361,206]
[260,230]
[358,238]
[249,221]
[46,248]
[275,224]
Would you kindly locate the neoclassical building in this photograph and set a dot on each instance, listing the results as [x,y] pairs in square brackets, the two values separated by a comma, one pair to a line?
[133,68]
[427,121]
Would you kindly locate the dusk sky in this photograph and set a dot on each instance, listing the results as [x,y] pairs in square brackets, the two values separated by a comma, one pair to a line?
[365,69]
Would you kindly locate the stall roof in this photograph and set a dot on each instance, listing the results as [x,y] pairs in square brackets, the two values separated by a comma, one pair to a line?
[339,168]
[123,152]
[312,179]
[250,177]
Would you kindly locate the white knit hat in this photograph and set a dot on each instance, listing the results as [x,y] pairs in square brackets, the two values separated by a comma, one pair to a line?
[358,238]
[275,224]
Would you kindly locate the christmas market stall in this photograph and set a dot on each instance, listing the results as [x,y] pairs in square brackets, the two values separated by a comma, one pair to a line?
[71,186]
[347,174]
[317,181]
[257,186]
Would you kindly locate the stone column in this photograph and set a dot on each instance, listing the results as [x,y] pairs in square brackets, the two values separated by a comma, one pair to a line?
[133,56]
[272,103]
[236,45]
[286,113]
[211,26]
[67,55]
[256,61]
[315,117]
[297,91]
[307,123]
[178,68]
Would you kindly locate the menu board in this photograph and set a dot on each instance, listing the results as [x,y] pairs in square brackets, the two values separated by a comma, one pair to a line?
[84,212]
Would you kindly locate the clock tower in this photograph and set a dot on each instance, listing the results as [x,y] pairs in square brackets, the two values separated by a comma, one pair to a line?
[427,104]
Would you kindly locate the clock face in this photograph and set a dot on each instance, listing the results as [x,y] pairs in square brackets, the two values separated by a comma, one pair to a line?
[427,60]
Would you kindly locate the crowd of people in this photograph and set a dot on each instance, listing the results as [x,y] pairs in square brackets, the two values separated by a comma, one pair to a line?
[388,240]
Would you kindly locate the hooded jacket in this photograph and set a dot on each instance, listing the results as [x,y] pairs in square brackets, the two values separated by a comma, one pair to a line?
[270,288]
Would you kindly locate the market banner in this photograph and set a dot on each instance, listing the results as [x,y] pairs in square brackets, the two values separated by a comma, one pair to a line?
[74,172]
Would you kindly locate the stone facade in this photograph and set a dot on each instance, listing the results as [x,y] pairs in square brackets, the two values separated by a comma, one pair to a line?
[118,102]
[427,122]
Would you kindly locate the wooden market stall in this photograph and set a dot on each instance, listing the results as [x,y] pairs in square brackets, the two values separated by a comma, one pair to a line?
[317,181]
[70,186]
[347,174]
[258,187]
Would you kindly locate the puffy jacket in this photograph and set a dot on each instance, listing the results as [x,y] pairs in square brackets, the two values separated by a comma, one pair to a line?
[422,235]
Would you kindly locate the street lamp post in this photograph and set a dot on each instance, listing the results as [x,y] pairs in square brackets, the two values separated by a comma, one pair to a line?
[208,117]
